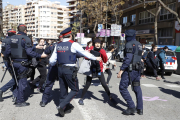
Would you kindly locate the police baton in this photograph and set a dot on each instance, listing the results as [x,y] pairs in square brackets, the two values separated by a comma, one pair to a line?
[129,70]
[13,71]
[4,74]
[130,81]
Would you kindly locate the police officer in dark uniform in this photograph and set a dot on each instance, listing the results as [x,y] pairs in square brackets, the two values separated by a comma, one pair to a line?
[20,50]
[52,74]
[130,73]
[65,53]
[11,83]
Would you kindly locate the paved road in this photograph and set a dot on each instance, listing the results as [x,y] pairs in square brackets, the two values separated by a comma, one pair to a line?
[161,102]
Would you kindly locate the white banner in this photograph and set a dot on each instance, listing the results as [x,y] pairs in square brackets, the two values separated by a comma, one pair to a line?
[116,30]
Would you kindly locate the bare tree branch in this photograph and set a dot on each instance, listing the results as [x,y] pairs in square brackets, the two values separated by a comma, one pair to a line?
[171,11]
[155,24]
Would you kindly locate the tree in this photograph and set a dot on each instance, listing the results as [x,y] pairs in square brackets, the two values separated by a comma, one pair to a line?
[160,5]
[96,11]
[75,28]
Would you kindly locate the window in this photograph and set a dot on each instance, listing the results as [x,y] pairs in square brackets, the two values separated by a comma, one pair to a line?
[133,19]
[124,20]
[165,15]
[165,32]
[146,17]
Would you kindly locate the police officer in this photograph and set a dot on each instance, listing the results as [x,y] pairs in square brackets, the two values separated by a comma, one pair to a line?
[51,76]
[11,83]
[130,73]
[65,54]
[20,50]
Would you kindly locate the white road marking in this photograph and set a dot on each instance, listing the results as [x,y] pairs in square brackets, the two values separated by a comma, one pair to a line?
[170,85]
[149,85]
[90,110]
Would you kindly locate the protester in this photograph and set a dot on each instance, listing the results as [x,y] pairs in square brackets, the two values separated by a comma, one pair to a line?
[89,44]
[107,64]
[41,67]
[143,65]
[162,61]
[97,49]
[151,62]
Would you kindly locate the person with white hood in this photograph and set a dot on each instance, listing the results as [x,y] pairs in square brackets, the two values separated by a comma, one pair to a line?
[107,64]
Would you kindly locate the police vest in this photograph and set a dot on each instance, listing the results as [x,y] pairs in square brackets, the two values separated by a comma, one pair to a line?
[4,44]
[137,54]
[64,54]
[17,51]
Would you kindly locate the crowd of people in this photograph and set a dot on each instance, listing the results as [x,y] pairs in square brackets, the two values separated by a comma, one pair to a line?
[22,58]
[153,60]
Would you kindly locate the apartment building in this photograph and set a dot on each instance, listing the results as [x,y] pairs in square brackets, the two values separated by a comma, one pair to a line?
[44,19]
[72,10]
[136,17]
[12,17]
[1,19]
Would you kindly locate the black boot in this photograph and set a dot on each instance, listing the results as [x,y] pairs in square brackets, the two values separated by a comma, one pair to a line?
[162,77]
[1,93]
[140,111]
[42,104]
[14,99]
[22,104]
[68,108]
[61,111]
[129,111]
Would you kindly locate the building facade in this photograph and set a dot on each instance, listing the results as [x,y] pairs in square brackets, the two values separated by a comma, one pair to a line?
[12,17]
[136,17]
[44,19]
[72,10]
[1,19]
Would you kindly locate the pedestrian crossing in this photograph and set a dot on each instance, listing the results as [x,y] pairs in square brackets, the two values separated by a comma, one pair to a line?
[145,85]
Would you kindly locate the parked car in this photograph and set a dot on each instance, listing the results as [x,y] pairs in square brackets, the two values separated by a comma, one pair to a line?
[171,59]
[120,55]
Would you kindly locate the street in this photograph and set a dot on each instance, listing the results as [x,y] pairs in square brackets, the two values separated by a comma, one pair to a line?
[161,101]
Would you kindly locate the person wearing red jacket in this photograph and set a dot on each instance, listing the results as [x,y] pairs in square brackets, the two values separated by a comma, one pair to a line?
[97,48]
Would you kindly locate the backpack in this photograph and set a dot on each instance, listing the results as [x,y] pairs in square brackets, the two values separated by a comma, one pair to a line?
[145,55]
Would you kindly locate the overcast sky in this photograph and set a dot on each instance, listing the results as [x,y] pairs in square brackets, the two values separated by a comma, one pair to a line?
[23,2]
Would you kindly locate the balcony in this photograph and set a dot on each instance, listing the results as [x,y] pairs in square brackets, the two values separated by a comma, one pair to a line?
[70,6]
[69,17]
[60,15]
[60,24]
[60,20]
[72,11]
[68,1]
[59,28]
[61,11]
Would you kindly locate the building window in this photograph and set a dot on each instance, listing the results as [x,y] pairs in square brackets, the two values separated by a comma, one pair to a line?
[166,32]
[133,19]
[165,15]
[146,17]
[124,20]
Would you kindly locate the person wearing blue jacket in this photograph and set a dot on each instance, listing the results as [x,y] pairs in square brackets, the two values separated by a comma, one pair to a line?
[162,58]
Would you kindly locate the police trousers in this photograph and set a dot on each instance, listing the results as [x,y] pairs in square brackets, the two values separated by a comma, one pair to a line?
[11,84]
[124,83]
[51,77]
[66,81]
[22,83]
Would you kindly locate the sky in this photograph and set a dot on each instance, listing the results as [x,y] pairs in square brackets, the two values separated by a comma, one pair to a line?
[18,2]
